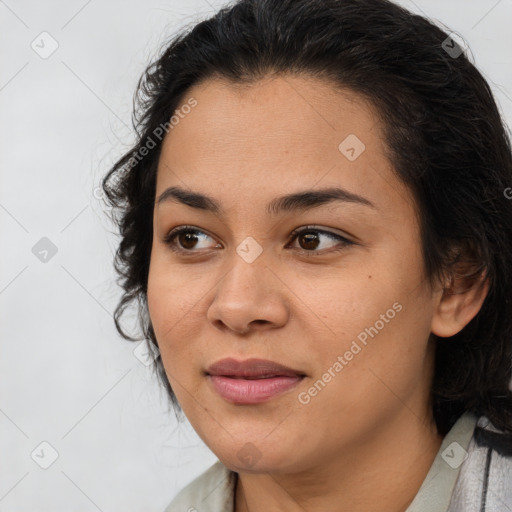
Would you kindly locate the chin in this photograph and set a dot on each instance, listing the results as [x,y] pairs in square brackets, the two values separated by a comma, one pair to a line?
[252,459]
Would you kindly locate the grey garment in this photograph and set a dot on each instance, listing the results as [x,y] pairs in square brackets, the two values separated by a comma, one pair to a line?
[462,478]
[436,490]
[212,491]
[485,480]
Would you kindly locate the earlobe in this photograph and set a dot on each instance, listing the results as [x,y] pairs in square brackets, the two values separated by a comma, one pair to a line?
[458,304]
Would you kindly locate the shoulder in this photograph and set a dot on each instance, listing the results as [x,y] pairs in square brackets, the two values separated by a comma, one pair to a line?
[485,478]
[211,491]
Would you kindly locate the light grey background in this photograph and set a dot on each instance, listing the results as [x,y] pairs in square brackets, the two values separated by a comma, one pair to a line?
[66,377]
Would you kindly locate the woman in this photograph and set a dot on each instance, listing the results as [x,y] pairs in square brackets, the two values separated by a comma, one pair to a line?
[316,225]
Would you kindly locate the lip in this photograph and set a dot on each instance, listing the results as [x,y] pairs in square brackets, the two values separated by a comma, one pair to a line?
[251,381]
[230,367]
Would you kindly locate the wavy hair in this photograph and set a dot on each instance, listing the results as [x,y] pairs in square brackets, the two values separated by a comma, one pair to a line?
[444,136]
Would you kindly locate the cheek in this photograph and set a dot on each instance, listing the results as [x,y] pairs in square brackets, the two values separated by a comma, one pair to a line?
[379,360]
[168,309]
[172,294]
[377,325]
[346,302]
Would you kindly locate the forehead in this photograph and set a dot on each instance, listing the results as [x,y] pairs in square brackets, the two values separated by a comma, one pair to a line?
[274,113]
[277,134]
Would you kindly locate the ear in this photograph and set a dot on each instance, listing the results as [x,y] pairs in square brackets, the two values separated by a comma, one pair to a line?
[462,296]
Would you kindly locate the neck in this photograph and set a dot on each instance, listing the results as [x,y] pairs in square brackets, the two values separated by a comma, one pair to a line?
[383,474]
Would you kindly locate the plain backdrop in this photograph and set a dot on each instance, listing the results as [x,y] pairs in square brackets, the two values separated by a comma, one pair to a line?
[74,396]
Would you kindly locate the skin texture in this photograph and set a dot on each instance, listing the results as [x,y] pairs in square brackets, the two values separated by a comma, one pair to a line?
[366,440]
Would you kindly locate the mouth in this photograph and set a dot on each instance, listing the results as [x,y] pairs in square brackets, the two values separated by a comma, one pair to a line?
[252,381]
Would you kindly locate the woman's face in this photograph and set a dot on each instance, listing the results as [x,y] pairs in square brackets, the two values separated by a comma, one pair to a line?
[352,315]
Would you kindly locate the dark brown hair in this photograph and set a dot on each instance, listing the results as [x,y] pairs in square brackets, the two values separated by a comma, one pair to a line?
[444,136]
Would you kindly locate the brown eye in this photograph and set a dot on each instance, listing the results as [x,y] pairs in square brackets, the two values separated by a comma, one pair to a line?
[185,239]
[310,238]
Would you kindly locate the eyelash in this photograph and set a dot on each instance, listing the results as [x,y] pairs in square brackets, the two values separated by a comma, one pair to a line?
[169,240]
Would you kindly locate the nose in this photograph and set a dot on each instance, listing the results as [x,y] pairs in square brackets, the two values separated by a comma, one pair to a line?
[249,297]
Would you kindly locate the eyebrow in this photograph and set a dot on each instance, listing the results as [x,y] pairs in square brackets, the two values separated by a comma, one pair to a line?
[303,200]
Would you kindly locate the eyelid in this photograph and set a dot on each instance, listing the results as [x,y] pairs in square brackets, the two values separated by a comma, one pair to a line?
[311,227]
